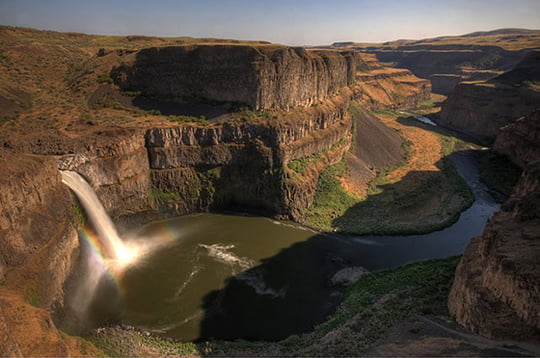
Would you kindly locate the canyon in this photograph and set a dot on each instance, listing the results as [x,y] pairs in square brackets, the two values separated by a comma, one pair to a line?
[168,127]
[496,291]
[479,109]
[449,60]
[147,167]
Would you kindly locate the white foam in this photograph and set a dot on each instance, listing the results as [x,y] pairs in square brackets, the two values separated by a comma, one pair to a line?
[420,118]
[255,279]
[184,284]
[222,253]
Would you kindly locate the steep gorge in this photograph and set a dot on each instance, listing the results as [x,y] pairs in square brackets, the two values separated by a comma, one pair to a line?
[479,109]
[496,291]
[150,168]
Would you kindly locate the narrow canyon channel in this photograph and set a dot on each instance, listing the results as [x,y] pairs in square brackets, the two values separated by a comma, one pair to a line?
[231,276]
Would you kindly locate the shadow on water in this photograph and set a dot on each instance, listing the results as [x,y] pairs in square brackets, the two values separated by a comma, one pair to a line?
[284,291]
[286,294]
[291,292]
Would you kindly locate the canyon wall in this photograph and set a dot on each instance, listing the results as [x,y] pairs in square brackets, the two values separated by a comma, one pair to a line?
[520,140]
[36,228]
[496,291]
[480,109]
[446,66]
[263,77]
[181,169]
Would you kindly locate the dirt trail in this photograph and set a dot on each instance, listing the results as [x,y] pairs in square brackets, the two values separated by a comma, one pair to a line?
[431,336]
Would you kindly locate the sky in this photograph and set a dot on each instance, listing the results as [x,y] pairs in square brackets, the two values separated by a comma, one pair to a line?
[290,22]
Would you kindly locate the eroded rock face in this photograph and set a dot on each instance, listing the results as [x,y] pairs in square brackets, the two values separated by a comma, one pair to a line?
[520,141]
[480,109]
[242,164]
[117,169]
[37,236]
[263,77]
[496,291]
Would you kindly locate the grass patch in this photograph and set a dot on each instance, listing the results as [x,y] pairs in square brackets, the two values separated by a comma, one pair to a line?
[78,212]
[188,119]
[105,77]
[374,304]
[300,165]
[420,202]
[248,116]
[499,173]
[412,289]
[164,195]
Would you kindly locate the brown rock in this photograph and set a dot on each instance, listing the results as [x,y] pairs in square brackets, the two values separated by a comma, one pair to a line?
[496,291]
[480,109]
[263,77]
[520,141]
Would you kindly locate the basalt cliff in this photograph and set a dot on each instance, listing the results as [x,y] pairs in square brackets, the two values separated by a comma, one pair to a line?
[242,116]
[479,109]
[446,61]
[496,291]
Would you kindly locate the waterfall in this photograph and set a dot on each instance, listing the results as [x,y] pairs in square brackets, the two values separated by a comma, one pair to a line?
[112,245]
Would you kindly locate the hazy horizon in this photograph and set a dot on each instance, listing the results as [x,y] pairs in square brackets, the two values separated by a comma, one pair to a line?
[301,22]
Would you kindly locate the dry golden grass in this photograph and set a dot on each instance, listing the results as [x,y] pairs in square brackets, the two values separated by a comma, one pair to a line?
[512,41]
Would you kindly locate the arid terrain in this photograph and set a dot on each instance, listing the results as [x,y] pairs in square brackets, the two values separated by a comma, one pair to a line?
[325,137]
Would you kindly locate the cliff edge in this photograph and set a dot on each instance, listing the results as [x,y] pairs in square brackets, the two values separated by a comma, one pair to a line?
[479,109]
[496,291]
[263,77]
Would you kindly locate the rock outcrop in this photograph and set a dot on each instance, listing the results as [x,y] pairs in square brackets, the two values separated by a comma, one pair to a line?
[480,109]
[446,61]
[36,227]
[263,77]
[496,291]
[520,140]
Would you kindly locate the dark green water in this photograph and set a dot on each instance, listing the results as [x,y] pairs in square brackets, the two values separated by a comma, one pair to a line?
[229,277]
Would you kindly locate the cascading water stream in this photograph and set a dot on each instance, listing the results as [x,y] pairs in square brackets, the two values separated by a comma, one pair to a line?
[112,246]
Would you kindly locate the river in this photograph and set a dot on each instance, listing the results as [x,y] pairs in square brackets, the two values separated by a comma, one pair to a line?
[234,276]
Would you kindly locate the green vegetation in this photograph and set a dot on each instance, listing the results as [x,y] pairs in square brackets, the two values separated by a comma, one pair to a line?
[330,195]
[387,111]
[377,301]
[154,112]
[402,207]
[355,111]
[79,213]
[125,344]
[300,165]
[31,293]
[499,173]
[381,178]
[164,195]
[188,119]
[249,116]
[105,77]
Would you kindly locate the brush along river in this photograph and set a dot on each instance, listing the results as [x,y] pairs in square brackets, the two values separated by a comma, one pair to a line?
[229,277]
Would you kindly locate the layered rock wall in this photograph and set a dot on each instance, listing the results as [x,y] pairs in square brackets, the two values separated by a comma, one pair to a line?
[36,227]
[263,77]
[496,291]
[118,170]
[447,65]
[240,165]
[480,109]
[520,140]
